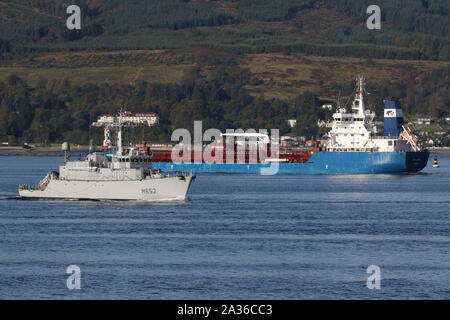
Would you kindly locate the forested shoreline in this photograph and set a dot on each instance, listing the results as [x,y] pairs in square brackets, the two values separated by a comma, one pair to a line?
[224,94]
[55,111]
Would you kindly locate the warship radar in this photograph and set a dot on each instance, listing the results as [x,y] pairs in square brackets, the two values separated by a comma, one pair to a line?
[121,174]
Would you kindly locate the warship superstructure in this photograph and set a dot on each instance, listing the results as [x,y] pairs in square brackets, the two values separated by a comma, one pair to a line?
[123,174]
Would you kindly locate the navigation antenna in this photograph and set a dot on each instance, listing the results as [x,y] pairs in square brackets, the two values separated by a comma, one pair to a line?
[66,148]
[339,100]
[90,132]
[119,132]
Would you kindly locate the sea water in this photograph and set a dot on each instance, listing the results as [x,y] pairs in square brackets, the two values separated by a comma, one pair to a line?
[238,237]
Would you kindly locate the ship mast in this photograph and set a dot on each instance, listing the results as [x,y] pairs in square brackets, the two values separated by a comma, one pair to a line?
[119,133]
[358,103]
[116,122]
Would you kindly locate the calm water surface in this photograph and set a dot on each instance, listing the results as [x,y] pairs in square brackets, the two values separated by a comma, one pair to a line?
[239,236]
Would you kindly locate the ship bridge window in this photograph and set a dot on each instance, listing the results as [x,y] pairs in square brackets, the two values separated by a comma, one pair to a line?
[390,143]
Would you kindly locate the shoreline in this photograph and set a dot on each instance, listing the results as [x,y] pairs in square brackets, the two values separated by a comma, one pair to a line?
[54,151]
[440,150]
[49,151]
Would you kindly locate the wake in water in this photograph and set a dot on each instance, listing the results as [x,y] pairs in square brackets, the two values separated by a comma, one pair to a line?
[71,201]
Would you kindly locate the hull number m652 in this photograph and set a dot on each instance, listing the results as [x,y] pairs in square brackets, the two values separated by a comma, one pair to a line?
[148,191]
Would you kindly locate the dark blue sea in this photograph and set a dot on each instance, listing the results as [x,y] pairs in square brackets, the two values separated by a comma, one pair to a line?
[238,237]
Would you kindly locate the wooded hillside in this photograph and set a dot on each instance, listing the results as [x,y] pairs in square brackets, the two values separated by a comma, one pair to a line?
[246,63]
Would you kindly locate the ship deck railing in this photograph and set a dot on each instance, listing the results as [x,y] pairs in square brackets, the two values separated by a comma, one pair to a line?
[154,174]
[352,149]
[384,138]
[29,187]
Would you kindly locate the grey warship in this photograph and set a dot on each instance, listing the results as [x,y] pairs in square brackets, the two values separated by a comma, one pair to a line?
[125,174]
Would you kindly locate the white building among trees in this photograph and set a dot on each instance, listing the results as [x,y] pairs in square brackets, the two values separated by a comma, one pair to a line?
[147,118]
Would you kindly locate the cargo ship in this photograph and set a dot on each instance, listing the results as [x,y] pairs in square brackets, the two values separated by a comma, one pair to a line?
[354,145]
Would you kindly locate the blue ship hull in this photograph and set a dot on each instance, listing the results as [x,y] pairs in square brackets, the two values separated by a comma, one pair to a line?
[319,163]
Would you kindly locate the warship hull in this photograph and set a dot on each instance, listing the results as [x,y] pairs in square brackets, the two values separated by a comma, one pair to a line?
[150,190]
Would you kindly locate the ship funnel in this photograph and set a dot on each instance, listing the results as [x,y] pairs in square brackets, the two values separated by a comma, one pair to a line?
[393,117]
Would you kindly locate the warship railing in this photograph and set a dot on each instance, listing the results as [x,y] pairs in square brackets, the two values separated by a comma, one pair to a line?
[30,187]
[154,174]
